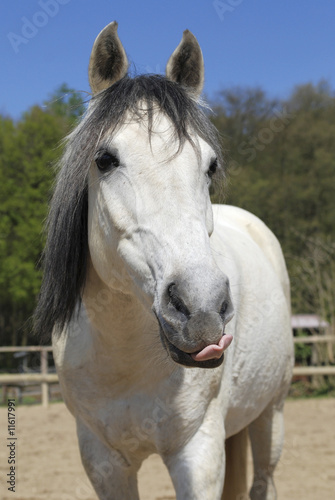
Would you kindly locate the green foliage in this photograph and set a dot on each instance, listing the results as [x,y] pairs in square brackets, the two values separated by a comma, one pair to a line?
[28,152]
[66,103]
[302,352]
[281,166]
[306,389]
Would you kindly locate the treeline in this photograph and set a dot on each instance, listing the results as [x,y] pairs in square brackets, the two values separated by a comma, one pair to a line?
[29,149]
[280,159]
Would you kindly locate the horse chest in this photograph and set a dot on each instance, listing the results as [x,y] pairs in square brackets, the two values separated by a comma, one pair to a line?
[140,422]
[139,425]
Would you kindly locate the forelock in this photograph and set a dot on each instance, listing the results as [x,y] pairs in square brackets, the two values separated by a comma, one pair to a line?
[109,109]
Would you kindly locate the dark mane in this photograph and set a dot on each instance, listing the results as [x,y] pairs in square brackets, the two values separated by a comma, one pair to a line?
[66,252]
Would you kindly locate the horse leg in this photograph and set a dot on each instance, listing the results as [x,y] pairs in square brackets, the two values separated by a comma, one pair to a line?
[235,484]
[111,476]
[267,436]
[197,470]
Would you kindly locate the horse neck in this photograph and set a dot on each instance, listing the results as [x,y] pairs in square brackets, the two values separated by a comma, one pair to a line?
[123,328]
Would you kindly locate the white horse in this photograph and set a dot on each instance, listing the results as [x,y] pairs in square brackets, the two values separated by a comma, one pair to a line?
[146,285]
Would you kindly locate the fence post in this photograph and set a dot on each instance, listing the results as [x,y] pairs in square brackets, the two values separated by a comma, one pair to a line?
[44,371]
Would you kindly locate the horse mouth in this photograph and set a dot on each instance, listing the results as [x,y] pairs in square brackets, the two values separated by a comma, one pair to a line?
[209,357]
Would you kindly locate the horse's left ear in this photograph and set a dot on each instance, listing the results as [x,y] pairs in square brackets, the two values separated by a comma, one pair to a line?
[108,62]
[186,65]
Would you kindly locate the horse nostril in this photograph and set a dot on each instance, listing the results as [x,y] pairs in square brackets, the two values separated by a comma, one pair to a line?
[226,311]
[176,301]
[224,308]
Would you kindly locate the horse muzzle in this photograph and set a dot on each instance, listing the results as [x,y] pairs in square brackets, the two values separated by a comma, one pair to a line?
[194,336]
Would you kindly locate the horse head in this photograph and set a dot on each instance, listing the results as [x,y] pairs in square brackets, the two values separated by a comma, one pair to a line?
[151,155]
[150,216]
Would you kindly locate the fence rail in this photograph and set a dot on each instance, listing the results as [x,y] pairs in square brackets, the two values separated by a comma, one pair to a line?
[314,370]
[28,348]
[314,339]
[44,378]
[28,378]
[23,379]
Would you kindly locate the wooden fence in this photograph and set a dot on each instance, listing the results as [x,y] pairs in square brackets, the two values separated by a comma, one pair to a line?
[45,379]
[316,370]
[24,379]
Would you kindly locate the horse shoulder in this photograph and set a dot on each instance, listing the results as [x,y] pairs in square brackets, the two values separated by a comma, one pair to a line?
[251,225]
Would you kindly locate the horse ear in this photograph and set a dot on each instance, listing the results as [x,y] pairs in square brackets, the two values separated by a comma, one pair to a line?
[186,65]
[108,62]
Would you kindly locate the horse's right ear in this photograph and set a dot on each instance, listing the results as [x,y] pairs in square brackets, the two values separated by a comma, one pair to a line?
[108,62]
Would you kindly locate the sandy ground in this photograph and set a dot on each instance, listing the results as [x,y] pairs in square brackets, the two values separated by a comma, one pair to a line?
[49,466]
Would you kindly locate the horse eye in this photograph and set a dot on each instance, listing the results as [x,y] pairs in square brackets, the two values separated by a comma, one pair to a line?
[212,168]
[105,160]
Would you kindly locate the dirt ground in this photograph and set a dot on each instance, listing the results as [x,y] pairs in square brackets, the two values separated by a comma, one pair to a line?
[49,466]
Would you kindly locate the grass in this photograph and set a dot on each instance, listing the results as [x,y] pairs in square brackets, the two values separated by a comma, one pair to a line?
[319,388]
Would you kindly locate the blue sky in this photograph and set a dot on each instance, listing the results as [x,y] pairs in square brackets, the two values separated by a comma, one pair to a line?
[273,44]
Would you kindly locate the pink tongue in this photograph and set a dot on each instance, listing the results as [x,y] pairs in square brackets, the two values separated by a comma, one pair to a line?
[213,351]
